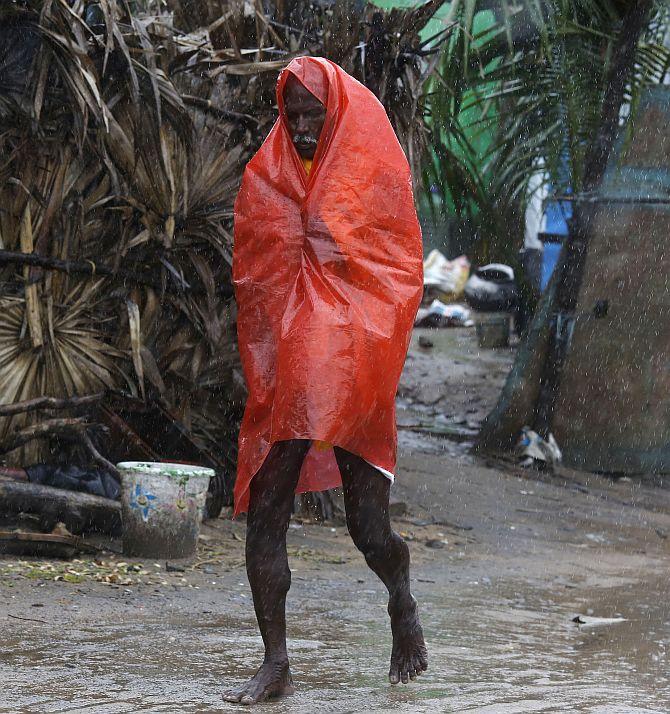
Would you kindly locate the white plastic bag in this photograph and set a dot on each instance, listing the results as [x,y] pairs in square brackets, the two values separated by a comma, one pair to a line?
[448,276]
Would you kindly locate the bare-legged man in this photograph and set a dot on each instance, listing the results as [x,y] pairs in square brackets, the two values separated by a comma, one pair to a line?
[366,499]
[327,268]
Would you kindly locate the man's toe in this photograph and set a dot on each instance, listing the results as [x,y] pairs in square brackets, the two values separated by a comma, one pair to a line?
[255,694]
[394,674]
[234,695]
[404,675]
[418,664]
[422,661]
[252,696]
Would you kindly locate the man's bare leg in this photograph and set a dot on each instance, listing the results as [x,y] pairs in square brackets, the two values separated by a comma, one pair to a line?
[366,499]
[271,500]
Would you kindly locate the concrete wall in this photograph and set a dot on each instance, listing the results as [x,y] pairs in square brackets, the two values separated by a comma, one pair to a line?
[613,412]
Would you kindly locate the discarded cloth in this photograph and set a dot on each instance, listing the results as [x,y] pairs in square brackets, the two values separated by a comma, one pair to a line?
[533,448]
[438,314]
[328,277]
[73,478]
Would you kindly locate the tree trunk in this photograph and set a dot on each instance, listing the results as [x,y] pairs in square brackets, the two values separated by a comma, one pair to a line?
[515,407]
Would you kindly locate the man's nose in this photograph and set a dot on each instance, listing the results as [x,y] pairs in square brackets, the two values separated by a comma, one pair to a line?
[302,124]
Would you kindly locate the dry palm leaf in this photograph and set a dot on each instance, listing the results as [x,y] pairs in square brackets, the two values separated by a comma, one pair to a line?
[122,143]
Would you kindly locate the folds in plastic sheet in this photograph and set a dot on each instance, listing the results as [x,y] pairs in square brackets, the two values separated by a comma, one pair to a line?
[328,277]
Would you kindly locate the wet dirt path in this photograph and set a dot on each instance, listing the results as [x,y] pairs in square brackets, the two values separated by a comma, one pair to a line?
[502,561]
[496,646]
[497,602]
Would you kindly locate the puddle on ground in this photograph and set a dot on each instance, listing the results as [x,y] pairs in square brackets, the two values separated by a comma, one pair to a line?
[495,647]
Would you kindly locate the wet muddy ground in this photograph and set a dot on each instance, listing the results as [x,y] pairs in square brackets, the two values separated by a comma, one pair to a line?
[503,559]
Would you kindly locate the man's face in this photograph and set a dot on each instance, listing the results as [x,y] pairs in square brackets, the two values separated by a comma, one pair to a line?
[305,116]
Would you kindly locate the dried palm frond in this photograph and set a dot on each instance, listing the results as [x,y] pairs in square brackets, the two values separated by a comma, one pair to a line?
[74,359]
[382,49]
[100,162]
[122,143]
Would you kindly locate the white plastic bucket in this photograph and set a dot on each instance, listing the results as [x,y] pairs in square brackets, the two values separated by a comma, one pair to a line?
[161,508]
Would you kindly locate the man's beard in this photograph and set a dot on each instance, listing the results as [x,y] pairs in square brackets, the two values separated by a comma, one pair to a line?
[305,139]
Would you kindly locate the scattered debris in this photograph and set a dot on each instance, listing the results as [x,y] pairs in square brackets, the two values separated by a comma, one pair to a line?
[27,619]
[588,621]
[436,543]
[75,571]
[438,522]
[108,569]
[439,314]
[492,288]
[174,568]
[444,279]
[533,449]
[58,544]
[452,431]
[97,482]
[79,512]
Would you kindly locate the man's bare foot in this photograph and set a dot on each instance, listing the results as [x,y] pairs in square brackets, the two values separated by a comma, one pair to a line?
[273,679]
[409,656]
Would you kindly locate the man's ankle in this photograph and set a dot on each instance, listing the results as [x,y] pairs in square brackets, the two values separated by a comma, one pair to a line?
[276,659]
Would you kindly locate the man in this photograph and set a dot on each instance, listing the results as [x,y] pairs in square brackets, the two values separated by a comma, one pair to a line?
[328,277]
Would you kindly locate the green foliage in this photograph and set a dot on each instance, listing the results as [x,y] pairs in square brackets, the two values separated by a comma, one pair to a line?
[534,81]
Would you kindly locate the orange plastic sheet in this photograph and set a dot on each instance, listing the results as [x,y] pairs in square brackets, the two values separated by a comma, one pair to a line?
[328,277]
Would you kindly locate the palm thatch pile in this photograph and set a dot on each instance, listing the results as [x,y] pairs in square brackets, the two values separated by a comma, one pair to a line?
[123,138]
